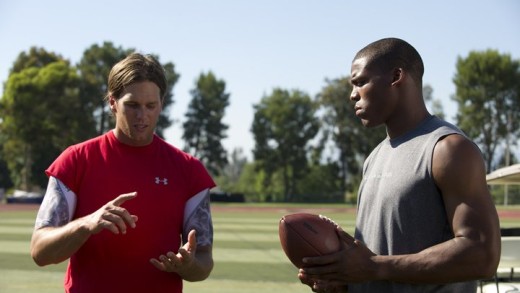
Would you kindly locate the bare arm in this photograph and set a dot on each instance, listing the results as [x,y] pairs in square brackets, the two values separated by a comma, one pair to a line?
[473,253]
[56,238]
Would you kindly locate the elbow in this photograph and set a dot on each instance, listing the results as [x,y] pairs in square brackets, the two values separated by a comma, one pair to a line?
[488,264]
[37,258]
[202,274]
[492,264]
[41,260]
[37,253]
[208,270]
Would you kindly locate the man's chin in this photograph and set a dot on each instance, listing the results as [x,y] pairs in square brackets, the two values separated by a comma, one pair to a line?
[370,123]
[141,139]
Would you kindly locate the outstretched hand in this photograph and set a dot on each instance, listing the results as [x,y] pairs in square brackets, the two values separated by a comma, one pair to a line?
[112,216]
[180,262]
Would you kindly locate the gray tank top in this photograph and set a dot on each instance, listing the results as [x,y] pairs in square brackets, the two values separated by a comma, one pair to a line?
[400,209]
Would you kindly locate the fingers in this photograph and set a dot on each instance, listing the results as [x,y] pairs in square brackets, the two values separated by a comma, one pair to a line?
[166,264]
[187,251]
[117,219]
[120,216]
[123,197]
[181,261]
[172,262]
[113,217]
[319,260]
[329,286]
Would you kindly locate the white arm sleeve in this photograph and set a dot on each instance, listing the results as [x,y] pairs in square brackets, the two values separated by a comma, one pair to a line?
[58,205]
[197,216]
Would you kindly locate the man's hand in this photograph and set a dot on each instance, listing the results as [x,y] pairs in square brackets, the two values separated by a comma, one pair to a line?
[180,262]
[332,272]
[112,216]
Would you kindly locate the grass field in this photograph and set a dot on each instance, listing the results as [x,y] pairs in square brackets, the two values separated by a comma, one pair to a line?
[247,253]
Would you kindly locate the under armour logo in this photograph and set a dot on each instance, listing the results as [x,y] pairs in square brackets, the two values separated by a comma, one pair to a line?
[164,181]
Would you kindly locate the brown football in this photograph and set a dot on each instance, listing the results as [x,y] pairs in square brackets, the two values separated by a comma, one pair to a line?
[303,235]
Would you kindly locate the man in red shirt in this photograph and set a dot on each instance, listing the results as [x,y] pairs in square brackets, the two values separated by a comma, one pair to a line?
[100,188]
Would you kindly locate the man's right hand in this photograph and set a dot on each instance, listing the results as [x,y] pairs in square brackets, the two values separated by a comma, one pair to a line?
[112,216]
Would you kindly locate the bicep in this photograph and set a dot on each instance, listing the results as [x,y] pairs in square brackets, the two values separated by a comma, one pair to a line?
[58,205]
[459,172]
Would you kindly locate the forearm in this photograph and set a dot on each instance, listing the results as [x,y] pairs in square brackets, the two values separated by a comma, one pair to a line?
[452,261]
[51,245]
[200,268]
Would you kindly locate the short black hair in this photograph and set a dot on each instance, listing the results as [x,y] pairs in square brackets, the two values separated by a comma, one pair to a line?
[390,53]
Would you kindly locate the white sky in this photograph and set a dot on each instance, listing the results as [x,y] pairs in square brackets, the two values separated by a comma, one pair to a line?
[255,46]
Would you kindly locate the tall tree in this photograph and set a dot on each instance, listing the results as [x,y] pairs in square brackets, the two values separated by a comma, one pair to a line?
[41,115]
[284,124]
[204,128]
[94,68]
[487,93]
[353,142]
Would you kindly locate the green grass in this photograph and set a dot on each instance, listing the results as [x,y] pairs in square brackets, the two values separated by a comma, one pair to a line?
[247,253]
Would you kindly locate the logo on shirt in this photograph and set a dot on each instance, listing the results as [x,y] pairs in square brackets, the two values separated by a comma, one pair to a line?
[163,181]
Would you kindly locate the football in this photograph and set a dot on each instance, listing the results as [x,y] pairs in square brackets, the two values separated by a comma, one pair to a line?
[303,235]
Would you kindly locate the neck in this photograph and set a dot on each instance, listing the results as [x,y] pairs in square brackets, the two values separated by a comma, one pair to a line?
[404,123]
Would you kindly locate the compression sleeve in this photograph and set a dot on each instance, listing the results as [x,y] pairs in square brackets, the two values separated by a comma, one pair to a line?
[197,216]
[58,205]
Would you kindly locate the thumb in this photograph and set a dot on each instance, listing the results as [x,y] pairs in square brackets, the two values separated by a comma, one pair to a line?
[345,237]
[123,197]
[192,240]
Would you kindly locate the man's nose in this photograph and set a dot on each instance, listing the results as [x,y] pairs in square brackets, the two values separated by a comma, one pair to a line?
[354,96]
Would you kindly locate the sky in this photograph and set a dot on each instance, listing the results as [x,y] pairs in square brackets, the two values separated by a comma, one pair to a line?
[256,46]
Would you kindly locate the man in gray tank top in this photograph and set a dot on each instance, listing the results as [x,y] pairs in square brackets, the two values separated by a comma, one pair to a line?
[426,221]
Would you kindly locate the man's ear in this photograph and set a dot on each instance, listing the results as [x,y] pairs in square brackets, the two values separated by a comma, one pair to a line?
[397,76]
[112,102]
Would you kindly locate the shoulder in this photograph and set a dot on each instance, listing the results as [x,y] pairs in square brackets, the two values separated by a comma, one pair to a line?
[456,159]
[455,148]
[172,152]
[92,142]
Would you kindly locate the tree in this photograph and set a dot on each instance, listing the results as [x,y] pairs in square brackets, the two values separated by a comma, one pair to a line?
[5,178]
[487,93]
[94,68]
[352,141]
[204,128]
[284,124]
[41,116]
[230,175]
[435,105]
[35,57]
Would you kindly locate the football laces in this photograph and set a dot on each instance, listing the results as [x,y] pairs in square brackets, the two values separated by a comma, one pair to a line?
[328,220]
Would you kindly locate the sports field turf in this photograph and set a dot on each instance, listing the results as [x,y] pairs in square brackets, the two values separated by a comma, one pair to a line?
[247,253]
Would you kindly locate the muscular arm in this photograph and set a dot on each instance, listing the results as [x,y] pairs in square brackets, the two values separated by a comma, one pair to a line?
[474,252]
[56,237]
